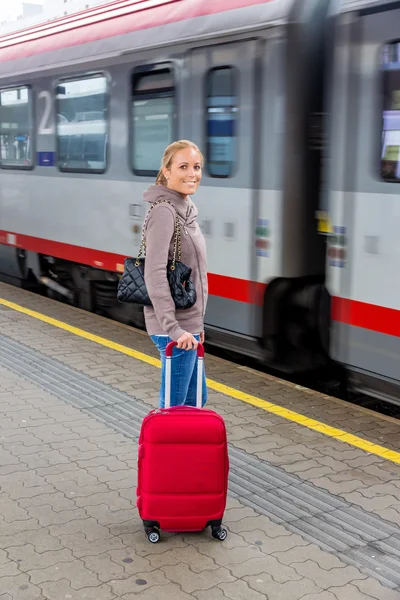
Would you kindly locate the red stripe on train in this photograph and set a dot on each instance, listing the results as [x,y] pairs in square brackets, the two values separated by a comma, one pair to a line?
[232,288]
[105,22]
[352,312]
[367,316]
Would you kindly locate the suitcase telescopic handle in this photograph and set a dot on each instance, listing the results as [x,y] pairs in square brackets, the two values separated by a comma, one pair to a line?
[170,347]
[200,366]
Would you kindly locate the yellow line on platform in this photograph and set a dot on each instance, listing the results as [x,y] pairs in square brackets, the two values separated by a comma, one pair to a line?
[285,413]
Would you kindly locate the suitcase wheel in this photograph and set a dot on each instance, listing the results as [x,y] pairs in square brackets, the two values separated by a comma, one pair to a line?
[152,535]
[219,533]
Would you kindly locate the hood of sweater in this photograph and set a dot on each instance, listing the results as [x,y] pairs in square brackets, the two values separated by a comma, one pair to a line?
[185,208]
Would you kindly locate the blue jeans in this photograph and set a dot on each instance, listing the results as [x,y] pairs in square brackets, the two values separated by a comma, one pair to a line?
[183,374]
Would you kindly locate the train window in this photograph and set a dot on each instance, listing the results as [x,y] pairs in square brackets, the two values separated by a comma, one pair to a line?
[82,124]
[390,151]
[16,128]
[222,113]
[153,117]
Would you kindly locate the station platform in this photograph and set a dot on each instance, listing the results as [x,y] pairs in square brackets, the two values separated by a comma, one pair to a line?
[313,510]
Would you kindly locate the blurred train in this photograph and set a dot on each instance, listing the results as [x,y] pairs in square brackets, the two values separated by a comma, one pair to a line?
[296,104]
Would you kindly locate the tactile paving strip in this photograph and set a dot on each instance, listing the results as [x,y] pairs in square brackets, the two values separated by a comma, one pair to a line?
[354,535]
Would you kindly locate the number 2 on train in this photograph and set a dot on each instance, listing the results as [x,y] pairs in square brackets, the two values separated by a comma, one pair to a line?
[46,127]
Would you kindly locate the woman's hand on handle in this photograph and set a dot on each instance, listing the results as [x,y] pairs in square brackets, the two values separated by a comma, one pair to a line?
[187,341]
[202,337]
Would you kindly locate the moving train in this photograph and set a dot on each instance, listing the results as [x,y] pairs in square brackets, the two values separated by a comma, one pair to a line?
[296,104]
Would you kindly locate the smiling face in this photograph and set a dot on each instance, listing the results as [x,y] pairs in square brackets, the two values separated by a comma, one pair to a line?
[184,173]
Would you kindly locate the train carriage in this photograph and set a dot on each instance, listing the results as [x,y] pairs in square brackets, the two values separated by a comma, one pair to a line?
[284,96]
[363,254]
[100,94]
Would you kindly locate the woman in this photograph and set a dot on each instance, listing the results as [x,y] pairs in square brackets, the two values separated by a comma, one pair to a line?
[179,176]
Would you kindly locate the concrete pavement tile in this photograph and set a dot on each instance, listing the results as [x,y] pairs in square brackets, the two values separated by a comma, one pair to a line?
[277,544]
[29,559]
[47,516]
[8,469]
[57,433]
[191,581]
[233,515]
[309,552]
[72,490]
[319,596]
[140,582]
[268,564]
[76,454]
[197,561]
[20,588]
[107,568]
[110,463]
[104,474]
[16,527]
[9,569]
[11,512]
[27,477]
[63,469]
[18,449]
[365,460]
[325,578]
[370,504]
[82,444]
[6,458]
[40,539]
[202,539]
[26,439]
[224,556]
[19,491]
[52,457]
[167,592]
[389,514]
[350,592]
[89,527]
[60,590]
[290,590]
[75,572]
[214,594]
[240,590]
[373,589]
[81,478]
[111,499]
[139,542]
[257,522]
[80,546]
[105,516]
[335,487]
[383,489]
[56,500]
[124,483]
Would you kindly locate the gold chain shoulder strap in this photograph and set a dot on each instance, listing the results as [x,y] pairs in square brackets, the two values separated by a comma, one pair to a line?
[177,236]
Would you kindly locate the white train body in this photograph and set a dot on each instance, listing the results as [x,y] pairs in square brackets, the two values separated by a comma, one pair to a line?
[88,103]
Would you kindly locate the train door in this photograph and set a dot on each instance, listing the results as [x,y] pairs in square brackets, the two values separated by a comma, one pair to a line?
[221,117]
[368,210]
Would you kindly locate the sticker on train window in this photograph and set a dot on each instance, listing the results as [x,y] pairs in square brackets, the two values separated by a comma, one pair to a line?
[390,151]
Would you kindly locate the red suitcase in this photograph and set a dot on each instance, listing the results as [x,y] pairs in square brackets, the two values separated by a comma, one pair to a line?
[182,465]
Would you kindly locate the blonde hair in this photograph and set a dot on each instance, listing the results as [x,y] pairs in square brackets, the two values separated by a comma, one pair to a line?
[169,154]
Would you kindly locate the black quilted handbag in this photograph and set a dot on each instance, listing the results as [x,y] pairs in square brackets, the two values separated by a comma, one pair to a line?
[132,286]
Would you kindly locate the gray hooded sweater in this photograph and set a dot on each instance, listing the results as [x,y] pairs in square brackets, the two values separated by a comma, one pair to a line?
[163,318]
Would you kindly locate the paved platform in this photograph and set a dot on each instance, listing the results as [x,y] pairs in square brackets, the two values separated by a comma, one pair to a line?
[309,516]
